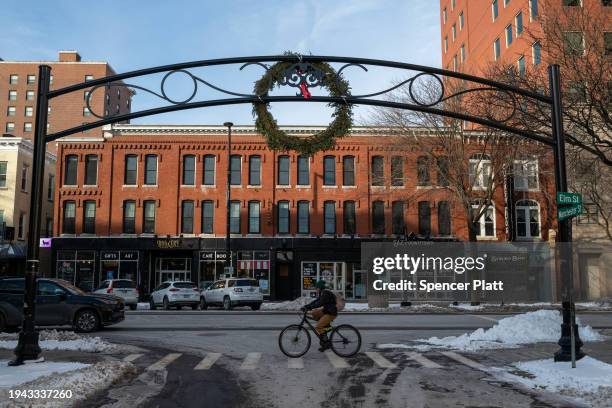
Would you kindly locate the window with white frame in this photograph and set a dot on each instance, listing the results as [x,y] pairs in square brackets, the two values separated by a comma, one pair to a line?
[518,21]
[3,168]
[509,35]
[527,219]
[485,223]
[29,111]
[480,171]
[526,174]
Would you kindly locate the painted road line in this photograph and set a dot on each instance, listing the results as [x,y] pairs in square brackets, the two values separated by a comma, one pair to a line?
[208,361]
[422,360]
[380,360]
[490,319]
[464,360]
[336,361]
[297,363]
[250,362]
[131,357]
[161,364]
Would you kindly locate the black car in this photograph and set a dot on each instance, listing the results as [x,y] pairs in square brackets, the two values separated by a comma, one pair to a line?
[58,303]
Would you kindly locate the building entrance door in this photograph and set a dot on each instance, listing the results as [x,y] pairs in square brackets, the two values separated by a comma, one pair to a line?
[172,269]
[283,282]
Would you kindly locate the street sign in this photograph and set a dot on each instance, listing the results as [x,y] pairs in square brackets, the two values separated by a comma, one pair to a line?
[568,198]
[563,213]
[45,242]
[569,205]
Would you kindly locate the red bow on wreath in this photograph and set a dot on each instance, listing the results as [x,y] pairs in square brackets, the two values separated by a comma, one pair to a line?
[303,86]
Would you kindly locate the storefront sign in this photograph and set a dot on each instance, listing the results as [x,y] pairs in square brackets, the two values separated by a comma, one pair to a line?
[45,242]
[220,256]
[168,244]
[207,255]
[110,256]
[129,255]
[254,265]
[309,275]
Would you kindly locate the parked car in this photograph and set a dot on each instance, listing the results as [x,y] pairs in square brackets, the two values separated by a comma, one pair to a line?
[175,294]
[123,288]
[58,303]
[232,292]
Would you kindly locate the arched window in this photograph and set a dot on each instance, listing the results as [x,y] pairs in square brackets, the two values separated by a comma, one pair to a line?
[527,219]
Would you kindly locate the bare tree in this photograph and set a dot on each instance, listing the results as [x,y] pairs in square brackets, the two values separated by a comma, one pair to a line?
[576,39]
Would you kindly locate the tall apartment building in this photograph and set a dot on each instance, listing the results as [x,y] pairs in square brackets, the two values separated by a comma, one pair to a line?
[15,192]
[149,203]
[18,93]
[476,35]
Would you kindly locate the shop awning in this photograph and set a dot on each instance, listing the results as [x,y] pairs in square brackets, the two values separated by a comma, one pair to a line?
[13,250]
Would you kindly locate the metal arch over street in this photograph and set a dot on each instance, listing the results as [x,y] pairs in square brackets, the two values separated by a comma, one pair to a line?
[234,98]
[302,74]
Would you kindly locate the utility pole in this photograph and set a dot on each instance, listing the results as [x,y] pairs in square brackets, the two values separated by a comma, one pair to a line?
[570,340]
[228,251]
[27,345]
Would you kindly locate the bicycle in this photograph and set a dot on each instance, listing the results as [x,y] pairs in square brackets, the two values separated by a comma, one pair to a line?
[294,340]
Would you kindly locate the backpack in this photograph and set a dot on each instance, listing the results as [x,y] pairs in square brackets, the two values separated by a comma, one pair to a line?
[340,302]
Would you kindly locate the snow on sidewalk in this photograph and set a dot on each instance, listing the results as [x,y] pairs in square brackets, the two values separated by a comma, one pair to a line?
[12,376]
[590,382]
[84,380]
[61,340]
[510,332]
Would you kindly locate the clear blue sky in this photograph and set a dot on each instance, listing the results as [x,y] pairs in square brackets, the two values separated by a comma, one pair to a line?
[139,34]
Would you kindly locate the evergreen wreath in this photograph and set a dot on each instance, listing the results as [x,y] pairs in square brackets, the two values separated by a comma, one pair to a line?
[277,139]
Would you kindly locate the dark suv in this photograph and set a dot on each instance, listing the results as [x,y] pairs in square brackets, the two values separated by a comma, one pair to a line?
[58,303]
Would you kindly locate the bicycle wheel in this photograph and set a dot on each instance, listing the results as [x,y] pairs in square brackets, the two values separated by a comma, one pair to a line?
[345,340]
[294,341]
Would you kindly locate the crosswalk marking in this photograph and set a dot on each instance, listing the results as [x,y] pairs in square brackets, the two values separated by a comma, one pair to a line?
[250,362]
[131,357]
[422,360]
[336,361]
[380,360]
[464,360]
[207,361]
[161,364]
[297,363]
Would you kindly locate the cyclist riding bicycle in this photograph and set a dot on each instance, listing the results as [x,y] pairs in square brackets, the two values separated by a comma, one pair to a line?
[324,311]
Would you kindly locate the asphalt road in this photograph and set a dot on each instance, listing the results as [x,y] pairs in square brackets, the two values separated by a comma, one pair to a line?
[232,359]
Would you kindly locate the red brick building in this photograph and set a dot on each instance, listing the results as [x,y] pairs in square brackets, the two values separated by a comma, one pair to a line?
[149,203]
[19,90]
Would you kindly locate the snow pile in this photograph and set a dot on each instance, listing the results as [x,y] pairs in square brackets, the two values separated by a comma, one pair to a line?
[510,332]
[61,340]
[290,305]
[143,306]
[590,381]
[12,376]
[83,383]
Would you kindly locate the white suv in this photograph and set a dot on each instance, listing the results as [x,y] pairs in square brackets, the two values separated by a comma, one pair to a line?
[232,292]
[124,288]
[177,294]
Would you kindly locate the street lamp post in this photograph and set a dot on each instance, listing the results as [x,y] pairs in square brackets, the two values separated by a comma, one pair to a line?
[27,345]
[570,340]
[228,252]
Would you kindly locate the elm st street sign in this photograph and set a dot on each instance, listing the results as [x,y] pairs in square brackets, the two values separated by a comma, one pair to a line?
[569,205]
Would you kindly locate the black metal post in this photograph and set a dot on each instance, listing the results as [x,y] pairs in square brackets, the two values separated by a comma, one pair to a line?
[27,346]
[570,340]
[228,251]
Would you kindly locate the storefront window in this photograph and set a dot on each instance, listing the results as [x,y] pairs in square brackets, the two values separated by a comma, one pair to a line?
[212,264]
[76,267]
[333,273]
[256,265]
[119,265]
[173,269]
